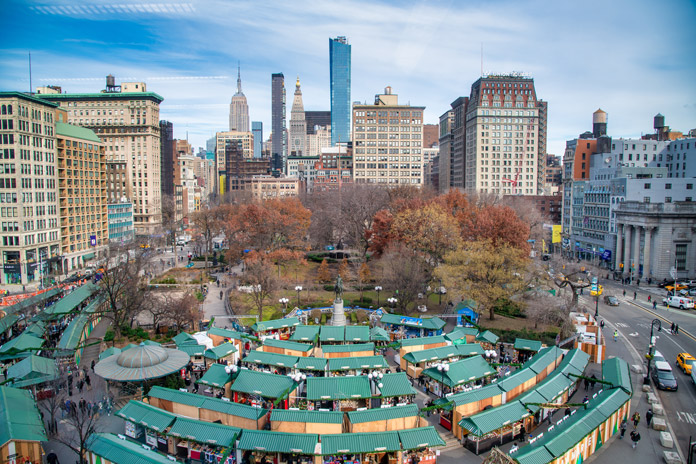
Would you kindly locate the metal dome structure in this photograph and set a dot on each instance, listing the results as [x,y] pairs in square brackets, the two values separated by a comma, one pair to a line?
[140,363]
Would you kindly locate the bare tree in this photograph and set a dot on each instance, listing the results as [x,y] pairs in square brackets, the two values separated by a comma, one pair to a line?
[208,223]
[80,424]
[405,272]
[123,286]
[51,405]
[183,310]
[260,276]
[170,221]
[546,309]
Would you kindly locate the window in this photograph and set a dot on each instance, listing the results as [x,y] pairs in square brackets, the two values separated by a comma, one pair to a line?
[668,186]
[681,256]
[646,199]
[646,186]
[668,199]
[689,186]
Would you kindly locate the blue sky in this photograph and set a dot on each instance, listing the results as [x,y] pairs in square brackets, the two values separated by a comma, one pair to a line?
[631,58]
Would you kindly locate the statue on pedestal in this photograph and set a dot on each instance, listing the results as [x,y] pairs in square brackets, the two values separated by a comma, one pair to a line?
[338,288]
[338,316]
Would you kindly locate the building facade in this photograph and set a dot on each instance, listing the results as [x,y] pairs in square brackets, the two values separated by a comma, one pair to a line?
[247,144]
[83,195]
[167,156]
[298,125]
[268,187]
[29,201]
[126,119]
[333,169]
[239,109]
[445,151]
[388,142]
[240,169]
[120,223]
[257,132]
[340,75]
[279,149]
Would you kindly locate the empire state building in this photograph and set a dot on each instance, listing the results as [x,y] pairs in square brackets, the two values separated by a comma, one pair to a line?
[239,110]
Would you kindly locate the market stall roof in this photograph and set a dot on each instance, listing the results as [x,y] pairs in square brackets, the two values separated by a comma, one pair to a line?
[215,376]
[37,328]
[357,363]
[183,338]
[288,345]
[616,371]
[8,321]
[70,339]
[141,363]
[305,333]
[21,346]
[357,333]
[381,414]
[527,345]
[146,415]
[574,362]
[396,384]
[310,363]
[32,300]
[487,336]
[516,379]
[329,333]
[204,402]
[554,385]
[423,437]
[220,332]
[358,443]
[532,455]
[115,450]
[349,348]
[263,384]
[433,323]
[493,419]
[338,388]
[264,326]
[310,417]
[279,442]
[461,332]
[431,354]
[477,394]
[419,341]
[204,432]
[532,396]
[270,359]
[177,396]
[192,349]
[541,361]
[469,349]
[69,302]
[462,371]
[32,370]
[221,351]
[27,426]
[378,334]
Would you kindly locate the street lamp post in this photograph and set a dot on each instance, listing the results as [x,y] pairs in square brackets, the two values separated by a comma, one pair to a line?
[298,289]
[651,347]
[392,301]
[596,310]
[284,301]
[441,291]
[442,368]
[378,289]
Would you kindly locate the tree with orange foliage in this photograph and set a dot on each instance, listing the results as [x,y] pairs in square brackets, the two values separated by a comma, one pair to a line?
[379,236]
[364,276]
[344,270]
[323,273]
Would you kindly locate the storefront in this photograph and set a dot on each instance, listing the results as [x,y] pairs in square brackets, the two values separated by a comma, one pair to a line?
[394,389]
[418,445]
[107,448]
[348,350]
[286,347]
[495,427]
[22,426]
[359,365]
[454,377]
[488,340]
[277,447]
[381,419]
[525,349]
[366,448]
[11,268]
[270,362]
[273,391]
[311,366]
[202,441]
[280,329]
[306,334]
[303,421]
[339,393]
[400,327]
[417,361]
[225,353]
[218,379]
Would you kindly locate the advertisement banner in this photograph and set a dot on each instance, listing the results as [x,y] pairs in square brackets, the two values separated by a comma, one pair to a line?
[556,234]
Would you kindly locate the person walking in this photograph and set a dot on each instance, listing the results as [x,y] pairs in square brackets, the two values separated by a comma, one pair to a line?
[92,365]
[523,432]
[648,417]
[635,295]
[623,427]
[88,381]
[593,380]
[624,293]
[636,419]
[635,437]
[676,329]
[671,330]
[616,335]
[587,384]
[649,298]
[52,458]
[654,304]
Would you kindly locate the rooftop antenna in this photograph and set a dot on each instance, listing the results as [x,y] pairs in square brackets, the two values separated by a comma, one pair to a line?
[30,85]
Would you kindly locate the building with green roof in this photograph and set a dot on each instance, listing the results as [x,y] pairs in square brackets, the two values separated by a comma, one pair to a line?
[461,372]
[305,333]
[275,324]
[21,425]
[108,448]
[356,364]
[355,349]
[32,370]
[338,388]
[262,384]
[279,442]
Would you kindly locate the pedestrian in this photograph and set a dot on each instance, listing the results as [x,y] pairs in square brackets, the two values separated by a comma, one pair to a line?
[623,427]
[635,295]
[638,282]
[567,412]
[636,419]
[654,304]
[649,298]
[616,334]
[648,417]
[635,438]
[671,329]
[80,383]
[592,382]
[88,381]
[586,399]
[92,365]
[523,432]
[676,329]
[587,384]
[624,293]
[52,458]
[601,323]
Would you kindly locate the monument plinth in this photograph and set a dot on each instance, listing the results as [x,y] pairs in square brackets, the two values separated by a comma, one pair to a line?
[338,316]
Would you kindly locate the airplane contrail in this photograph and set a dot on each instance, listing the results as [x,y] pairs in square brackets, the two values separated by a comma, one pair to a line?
[126,79]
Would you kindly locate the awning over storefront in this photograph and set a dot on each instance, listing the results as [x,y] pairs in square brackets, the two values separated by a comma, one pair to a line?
[359,443]
[279,442]
[204,432]
[338,388]
[310,363]
[494,419]
[146,415]
[305,333]
[357,334]
[462,371]
[220,351]
[115,450]
[32,370]
[275,324]
[527,345]
[424,437]
[396,384]
[263,384]
[216,376]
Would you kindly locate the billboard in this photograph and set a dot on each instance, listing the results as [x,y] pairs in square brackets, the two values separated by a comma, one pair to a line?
[556,234]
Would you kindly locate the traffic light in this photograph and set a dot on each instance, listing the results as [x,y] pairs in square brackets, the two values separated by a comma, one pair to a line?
[620,265]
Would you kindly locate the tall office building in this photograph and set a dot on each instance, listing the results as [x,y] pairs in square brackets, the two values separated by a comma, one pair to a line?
[246,140]
[239,109]
[167,157]
[257,132]
[126,118]
[339,57]
[388,142]
[279,149]
[318,131]
[445,151]
[298,125]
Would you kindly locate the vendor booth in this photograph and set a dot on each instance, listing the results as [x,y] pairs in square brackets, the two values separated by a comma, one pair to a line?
[525,349]
[252,387]
[306,334]
[366,448]
[407,327]
[21,425]
[348,350]
[339,393]
[287,347]
[454,377]
[303,421]
[280,329]
[278,447]
[380,419]
[495,427]
[106,448]
[357,365]
[270,362]
[202,441]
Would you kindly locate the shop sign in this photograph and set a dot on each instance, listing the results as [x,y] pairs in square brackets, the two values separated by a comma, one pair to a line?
[11,268]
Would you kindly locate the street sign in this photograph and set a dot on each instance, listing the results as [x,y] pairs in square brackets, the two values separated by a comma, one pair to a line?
[673,272]
[93,240]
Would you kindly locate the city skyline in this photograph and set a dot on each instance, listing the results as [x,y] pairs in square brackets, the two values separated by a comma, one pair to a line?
[434,56]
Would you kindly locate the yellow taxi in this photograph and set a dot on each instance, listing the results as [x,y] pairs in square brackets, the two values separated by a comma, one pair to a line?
[685,361]
[598,291]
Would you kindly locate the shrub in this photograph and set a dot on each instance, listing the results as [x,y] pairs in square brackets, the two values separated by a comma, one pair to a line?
[199,296]
[508,307]
[109,335]
[329,288]
[353,318]
[323,319]
[166,280]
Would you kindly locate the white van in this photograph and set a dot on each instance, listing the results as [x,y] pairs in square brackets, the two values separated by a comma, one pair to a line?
[680,302]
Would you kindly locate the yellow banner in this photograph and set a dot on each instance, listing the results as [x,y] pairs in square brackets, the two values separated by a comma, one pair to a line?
[556,234]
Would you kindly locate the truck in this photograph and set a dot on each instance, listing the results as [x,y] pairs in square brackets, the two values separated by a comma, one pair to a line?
[680,302]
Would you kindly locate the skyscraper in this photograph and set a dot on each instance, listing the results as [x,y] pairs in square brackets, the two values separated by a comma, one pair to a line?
[167,158]
[279,150]
[257,132]
[239,110]
[298,124]
[339,56]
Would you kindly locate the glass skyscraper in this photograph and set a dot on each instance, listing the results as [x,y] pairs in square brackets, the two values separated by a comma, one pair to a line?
[279,146]
[257,131]
[339,56]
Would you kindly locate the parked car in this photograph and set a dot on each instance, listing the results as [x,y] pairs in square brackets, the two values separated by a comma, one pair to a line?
[680,302]
[658,357]
[663,377]
[611,300]
[685,362]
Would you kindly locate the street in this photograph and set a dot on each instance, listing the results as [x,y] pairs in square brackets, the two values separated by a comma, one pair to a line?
[633,321]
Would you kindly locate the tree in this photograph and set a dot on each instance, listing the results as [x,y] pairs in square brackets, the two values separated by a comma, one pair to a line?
[364,276]
[183,310]
[484,272]
[323,273]
[123,286]
[405,272]
[207,221]
[51,405]
[344,270]
[170,221]
[359,204]
[379,235]
[78,429]
[263,281]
